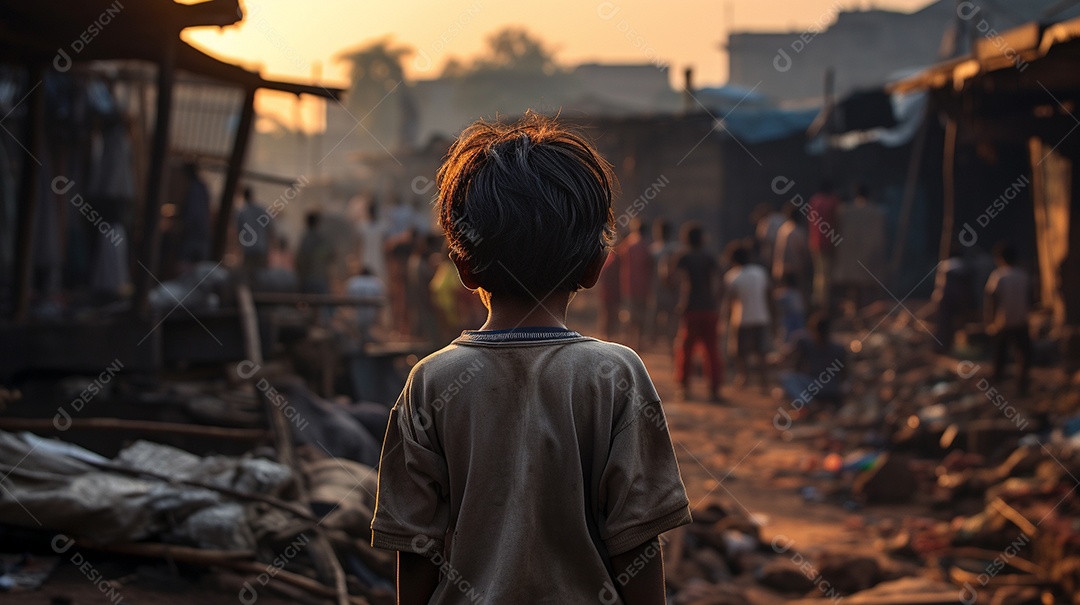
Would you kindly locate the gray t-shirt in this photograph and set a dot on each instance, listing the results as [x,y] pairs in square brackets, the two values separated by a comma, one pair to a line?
[521,461]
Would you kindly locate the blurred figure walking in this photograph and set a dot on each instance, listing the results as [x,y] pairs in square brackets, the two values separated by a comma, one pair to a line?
[664,251]
[824,207]
[698,275]
[636,280]
[1008,302]
[746,313]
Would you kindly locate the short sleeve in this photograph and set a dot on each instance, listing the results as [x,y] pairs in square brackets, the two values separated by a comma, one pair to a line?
[412,506]
[641,492]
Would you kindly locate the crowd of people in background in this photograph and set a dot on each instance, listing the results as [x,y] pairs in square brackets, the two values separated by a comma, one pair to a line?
[763,305]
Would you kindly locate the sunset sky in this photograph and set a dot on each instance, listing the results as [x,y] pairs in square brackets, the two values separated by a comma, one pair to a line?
[290,39]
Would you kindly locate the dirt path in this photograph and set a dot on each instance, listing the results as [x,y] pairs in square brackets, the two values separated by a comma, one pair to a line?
[734,455]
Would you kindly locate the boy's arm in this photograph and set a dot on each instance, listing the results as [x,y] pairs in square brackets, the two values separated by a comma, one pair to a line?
[417,578]
[646,587]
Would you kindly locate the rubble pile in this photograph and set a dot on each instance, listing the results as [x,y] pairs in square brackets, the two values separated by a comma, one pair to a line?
[995,471]
[292,519]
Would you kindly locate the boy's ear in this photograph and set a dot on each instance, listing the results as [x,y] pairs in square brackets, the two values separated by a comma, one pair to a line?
[592,271]
[464,274]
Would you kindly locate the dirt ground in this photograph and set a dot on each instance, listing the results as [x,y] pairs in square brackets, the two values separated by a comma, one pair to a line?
[729,454]
[732,454]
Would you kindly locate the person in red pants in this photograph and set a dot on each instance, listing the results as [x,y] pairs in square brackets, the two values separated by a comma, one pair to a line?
[698,274]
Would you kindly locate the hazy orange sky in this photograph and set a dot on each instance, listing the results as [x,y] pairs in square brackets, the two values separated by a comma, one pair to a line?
[288,39]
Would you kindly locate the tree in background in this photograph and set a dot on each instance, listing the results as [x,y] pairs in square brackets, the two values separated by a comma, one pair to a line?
[378,94]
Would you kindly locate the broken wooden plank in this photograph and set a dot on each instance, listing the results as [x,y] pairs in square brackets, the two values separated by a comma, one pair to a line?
[141,426]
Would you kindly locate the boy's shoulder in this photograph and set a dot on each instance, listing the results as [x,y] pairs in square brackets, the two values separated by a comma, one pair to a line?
[605,356]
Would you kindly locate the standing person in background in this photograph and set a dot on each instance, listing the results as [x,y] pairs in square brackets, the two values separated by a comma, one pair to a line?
[195,220]
[664,301]
[792,254]
[372,234]
[365,284]
[824,208]
[1008,302]
[610,296]
[314,258]
[636,280]
[746,313]
[420,271]
[398,250]
[817,367]
[254,230]
[860,256]
[766,230]
[698,275]
[790,307]
[952,298]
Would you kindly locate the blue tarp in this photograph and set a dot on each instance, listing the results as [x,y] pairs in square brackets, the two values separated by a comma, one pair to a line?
[753,125]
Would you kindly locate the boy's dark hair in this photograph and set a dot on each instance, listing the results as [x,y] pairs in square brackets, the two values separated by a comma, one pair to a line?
[1006,252]
[826,186]
[692,234]
[312,219]
[526,206]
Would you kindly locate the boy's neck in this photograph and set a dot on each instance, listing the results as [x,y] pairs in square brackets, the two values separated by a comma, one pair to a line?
[508,312]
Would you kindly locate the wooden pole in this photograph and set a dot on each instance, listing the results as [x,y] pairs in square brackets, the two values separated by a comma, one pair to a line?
[233,172]
[136,426]
[910,187]
[321,550]
[948,177]
[227,559]
[155,177]
[29,177]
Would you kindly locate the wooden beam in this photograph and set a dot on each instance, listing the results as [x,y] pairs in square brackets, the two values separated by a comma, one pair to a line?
[29,189]
[151,216]
[233,172]
[135,426]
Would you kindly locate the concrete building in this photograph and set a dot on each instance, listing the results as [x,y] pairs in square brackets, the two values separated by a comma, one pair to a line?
[867,48]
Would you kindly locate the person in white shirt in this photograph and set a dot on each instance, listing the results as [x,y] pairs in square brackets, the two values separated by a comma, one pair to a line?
[746,307]
[1008,301]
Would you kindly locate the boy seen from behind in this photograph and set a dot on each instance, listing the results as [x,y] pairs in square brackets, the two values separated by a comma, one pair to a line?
[524,462]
